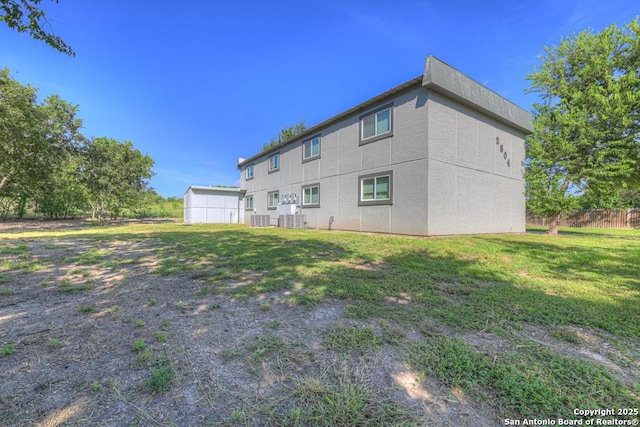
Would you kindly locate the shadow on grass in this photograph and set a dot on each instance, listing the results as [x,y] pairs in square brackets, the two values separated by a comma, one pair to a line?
[584,283]
[459,281]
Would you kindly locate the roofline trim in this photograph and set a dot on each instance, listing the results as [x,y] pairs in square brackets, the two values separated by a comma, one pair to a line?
[351,111]
[443,78]
[224,189]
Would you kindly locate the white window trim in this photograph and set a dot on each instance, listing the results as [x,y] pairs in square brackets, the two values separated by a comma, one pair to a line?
[308,187]
[246,203]
[310,142]
[246,172]
[269,162]
[370,202]
[374,113]
[270,197]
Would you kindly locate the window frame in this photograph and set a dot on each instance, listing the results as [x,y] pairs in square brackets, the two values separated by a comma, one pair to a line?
[246,202]
[270,198]
[375,112]
[274,155]
[308,187]
[310,141]
[246,172]
[373,202]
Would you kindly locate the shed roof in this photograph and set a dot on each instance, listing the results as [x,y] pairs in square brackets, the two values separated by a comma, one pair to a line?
[214,189]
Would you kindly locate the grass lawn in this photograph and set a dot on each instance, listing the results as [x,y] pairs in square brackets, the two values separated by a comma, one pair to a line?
[511,326]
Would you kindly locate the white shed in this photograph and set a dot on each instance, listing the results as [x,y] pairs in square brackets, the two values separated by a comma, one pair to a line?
[213,205]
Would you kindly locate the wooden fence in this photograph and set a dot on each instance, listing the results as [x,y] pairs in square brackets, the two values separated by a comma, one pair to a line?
[596,218]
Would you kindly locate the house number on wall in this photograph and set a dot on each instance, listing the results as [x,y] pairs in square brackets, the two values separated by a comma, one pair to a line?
[502,150]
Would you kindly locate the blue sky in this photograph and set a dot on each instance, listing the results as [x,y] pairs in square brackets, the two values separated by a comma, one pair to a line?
[198,84]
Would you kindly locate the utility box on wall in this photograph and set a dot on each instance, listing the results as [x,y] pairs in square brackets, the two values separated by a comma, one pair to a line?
[213,205]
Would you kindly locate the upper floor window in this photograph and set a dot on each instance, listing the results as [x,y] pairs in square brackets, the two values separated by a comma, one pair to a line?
[376,189]
[248,172]
[273,197]
[311,148]
[274,162]
[311,196]
[377,124]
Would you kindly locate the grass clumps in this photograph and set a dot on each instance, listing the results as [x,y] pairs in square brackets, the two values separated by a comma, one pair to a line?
[537,382]
[8,349]
[345,399]
[162,374]
[139,345]
[161,336]
[68,287]
[348,338]
[87,309]
[19,249]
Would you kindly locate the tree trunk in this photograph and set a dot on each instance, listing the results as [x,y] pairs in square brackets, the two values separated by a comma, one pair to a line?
[554,224]
[4,181]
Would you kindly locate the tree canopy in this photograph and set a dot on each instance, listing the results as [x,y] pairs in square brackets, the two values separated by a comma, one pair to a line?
[587,125]
[286,134]
[47,163]
[26,16]
[115,175]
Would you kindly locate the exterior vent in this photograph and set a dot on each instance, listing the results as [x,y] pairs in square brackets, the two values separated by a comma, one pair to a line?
[292,221]
[260,220]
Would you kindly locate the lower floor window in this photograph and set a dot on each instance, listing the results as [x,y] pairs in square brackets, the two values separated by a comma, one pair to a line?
[248,202]
[376,188]
[273,197]
[311,195]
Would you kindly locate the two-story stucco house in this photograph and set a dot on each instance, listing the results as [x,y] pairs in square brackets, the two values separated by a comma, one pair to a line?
[440,154]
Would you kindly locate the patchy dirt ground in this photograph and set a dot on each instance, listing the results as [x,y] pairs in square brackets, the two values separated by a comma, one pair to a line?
[74,325]
[85,338]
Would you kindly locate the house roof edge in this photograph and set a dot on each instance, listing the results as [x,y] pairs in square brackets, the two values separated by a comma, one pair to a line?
[443,78]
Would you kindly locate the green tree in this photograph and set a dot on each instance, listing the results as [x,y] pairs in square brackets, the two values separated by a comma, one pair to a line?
[587,126]
[286,134]
[25,16]
[61,192]
[23,142]
[620,198]
[115,175]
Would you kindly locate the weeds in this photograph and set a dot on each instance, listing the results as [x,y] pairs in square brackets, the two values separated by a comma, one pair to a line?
[162,375]
[144,356]
[568,336]
[343,401]
[14,250]
[139,345]
[8,349]
[87,309]
[535,383]
[347,338]
[67,287]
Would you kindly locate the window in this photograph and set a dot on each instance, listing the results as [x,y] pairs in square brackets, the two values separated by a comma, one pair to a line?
[248,203]
[376,125]
[311,148]
[376,189]
[274,162]
[273,197]
[249,172]
[311,196]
